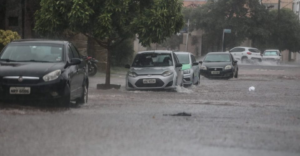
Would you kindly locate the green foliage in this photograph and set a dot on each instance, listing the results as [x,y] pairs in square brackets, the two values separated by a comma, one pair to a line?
[7,36]
[110,22]
[246,19]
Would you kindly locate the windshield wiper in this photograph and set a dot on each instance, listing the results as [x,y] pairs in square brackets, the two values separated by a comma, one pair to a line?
[32,61]
[7,60]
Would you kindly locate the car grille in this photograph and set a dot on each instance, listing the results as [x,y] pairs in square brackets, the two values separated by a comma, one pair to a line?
[215,69]
[16,82]
[159,83]
[269,59]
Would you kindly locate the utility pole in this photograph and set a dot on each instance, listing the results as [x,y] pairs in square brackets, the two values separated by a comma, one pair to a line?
[187,35]
[279,1]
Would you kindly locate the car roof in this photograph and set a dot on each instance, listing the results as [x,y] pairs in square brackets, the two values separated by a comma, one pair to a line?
[182,52]
[218,53]
[272,49]
[244,47]
[155,51]
[39,41]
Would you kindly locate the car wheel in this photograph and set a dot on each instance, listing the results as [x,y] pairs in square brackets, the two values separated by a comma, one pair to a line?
[244,60]
[84,95]
[236,74]
[65,100]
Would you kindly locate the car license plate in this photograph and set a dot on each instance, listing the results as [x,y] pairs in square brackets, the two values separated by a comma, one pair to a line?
[215,72]
[149,81]
[19,90]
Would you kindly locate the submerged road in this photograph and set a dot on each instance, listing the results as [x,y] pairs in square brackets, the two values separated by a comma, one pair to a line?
[217,117]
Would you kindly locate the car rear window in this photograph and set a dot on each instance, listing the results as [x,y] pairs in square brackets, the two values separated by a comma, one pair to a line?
[237,50]
[254,50]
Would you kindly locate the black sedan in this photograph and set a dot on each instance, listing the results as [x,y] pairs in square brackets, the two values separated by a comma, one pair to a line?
[42,70]
[219,64]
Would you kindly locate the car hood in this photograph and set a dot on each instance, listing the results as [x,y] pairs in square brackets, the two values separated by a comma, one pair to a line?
[216,64]
[150,70]
[28,69]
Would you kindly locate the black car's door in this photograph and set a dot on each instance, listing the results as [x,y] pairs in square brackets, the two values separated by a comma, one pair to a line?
[80,72]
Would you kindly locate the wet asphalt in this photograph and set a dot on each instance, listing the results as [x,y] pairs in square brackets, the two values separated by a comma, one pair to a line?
[217,117]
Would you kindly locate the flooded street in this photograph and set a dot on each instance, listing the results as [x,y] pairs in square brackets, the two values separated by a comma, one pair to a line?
[217,117]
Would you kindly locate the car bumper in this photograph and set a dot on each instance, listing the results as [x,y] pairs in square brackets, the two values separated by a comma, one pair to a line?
[223,73]
[39,91]
[161,82]
[187,79]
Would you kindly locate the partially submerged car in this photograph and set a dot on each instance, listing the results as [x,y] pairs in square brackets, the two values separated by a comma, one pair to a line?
[190,68]
[154,70]
[271,55]
[43,70]
[219,65]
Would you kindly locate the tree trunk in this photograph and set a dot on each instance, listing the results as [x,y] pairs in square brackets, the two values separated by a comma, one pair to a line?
[107,78]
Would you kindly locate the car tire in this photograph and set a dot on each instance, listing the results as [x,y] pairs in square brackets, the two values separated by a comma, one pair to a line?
[236,74]
[244,60]
[65,101]
[93,70]
[84,95]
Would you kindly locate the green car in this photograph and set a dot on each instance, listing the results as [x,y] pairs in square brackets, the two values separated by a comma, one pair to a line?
[190,68]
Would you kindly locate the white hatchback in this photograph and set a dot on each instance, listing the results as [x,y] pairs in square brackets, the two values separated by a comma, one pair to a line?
[246,54]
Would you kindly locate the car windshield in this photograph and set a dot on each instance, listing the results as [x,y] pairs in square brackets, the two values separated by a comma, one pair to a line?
[270,53]
[183,58]
[217,58]
[153,60]
[33,53]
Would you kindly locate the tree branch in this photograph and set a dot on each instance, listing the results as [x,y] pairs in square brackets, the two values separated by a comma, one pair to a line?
[98,41]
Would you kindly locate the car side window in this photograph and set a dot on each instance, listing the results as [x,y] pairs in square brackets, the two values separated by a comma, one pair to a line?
[193,59]
[74,51]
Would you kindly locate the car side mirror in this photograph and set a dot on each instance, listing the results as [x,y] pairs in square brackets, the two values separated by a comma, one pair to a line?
[280,54]
[75,61]
[179,65]
[195,64]
[235,62]
[127,66]
[200,62]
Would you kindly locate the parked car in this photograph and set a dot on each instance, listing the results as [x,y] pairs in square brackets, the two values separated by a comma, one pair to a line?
[271,55]
[219,64]
[43,70]
[190,68]
[246,54]
[154,70]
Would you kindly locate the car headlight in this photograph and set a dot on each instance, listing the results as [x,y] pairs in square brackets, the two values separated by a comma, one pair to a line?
[203,67]
[167,73]
[52,76]
[188,71]
[132,74]
[228,67]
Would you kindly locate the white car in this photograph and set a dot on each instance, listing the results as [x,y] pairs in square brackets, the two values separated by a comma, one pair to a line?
[246,54]
[154,70]
[271,55]
[190,68]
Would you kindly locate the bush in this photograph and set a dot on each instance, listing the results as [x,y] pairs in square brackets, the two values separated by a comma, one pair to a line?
[6,36]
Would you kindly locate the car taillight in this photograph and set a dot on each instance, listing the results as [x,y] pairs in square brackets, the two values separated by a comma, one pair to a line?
[89,57]
[249,53]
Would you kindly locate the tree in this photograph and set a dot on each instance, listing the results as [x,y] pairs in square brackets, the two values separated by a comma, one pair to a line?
[6,36]
[110,22]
